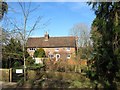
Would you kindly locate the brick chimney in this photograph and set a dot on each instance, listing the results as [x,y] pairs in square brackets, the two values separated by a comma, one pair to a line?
[46,36]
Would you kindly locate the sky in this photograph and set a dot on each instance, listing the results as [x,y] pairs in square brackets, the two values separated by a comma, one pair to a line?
[60,17]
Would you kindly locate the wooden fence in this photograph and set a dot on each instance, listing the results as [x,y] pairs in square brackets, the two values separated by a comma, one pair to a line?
[4,75]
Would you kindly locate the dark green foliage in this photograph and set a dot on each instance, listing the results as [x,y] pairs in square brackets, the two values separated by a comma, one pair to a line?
[84,52]
[106,42]
[16,64]
[35,66]
[3,9]
[39,53]
[12,54]
[29,61]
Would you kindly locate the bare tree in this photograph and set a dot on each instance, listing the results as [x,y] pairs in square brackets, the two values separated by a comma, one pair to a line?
[82,34]
[22,28]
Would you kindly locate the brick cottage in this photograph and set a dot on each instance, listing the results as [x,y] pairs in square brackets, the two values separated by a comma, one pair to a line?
[55,47]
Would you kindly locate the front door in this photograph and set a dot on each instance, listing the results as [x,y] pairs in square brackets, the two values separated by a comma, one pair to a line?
[57,57]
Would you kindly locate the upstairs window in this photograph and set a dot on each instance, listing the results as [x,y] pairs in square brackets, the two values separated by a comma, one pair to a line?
[57,49]
[68,49]
[32,49]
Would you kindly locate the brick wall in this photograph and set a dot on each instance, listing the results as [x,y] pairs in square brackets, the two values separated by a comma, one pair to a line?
[62,51]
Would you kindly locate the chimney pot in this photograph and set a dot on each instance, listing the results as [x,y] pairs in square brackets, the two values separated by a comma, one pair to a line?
[46,36]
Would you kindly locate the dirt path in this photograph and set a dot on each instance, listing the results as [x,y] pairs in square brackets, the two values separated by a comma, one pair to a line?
[7,84]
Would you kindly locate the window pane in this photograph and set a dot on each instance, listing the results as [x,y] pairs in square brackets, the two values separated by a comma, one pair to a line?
[68,49]
[57,49]
[68,56]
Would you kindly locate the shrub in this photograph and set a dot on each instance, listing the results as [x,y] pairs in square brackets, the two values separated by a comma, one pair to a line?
[75,84]
[16,64]
[35,66]
[30,61]
[39,53]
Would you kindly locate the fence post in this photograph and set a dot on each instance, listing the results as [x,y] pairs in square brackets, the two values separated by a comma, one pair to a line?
[10,74]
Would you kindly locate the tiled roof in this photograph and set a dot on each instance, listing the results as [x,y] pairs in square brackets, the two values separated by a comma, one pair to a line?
[52,42]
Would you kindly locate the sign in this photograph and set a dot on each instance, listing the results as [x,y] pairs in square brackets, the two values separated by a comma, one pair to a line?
[19,70]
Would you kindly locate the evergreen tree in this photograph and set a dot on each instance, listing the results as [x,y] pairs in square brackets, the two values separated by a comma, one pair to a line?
[12,53]
[106,42]
[39,53]
[3,8]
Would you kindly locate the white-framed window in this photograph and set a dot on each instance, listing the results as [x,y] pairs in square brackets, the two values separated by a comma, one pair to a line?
[51,56]
[57,49]
[33,49]
[68,56]
[68,49]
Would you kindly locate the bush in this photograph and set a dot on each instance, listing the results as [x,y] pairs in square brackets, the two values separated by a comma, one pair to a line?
[75,84]
[29,61]
[16,64]
[39,53]
[35,66]
[63,66]
[83,84]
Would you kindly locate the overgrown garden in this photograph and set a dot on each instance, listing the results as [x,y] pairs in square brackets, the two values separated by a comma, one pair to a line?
[101,50]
